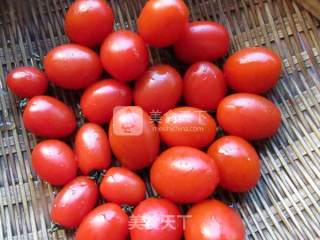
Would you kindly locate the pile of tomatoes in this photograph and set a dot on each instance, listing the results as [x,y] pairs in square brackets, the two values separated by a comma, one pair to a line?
[176,138]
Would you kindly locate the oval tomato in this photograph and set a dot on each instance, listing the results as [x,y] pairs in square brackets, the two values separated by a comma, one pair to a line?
[88,22]
[252,70]
[27,82]
[162,23]
[72,66]
[158,89]
[122,186]
[213,220]
[54,162]
[162,220]
[202,41]
[106,222]
[99,100]
[187,126]
[124,55]
[133,137]
[204,86]
[184,175]
[237,161]
[48,117]
[92,148]
[74,202]
[248,116]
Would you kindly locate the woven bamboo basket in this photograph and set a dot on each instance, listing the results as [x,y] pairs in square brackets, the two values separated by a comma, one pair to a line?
[284,205]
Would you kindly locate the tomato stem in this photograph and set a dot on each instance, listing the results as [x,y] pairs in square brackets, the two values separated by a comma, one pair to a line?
[22,103]
[97,175]
[127,208]
[55,227]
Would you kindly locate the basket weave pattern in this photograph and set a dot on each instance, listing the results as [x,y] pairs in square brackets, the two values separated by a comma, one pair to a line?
[286,202]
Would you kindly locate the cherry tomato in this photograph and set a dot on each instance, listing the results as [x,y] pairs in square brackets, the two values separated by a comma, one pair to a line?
[124,55]
[88,22]
[54,162]
[238,163]
[122,186]
[74,202]
[99,100]
[162,23]
[187,126]
[204,86]
[213,220]
[72,66]
[133,137]
[202,41]
[106,222]
[252,70]
[184,175]
[26,82]
[48,117]
[162,220]
[158,89]
[248,116]
[92,148]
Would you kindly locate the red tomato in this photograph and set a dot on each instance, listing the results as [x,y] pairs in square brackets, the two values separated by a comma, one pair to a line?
[252,70]
[48,117]
[133,137]
[187,126]
[74,202]
[27,82]
[204,86]
[158,89]
[92,148]
[99,100]
[54,162]
[162,22]
[72,66]
[202,41]
[106,222]
[88,22]
[161,220]
[248,116]
[122,186]
[184,175]
[238,163]
[124,55]
[213,220]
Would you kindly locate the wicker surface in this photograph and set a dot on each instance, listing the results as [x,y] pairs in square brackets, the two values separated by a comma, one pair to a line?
[285,205]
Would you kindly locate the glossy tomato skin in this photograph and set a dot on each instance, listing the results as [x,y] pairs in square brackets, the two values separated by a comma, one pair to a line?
[187,126]
[99,100]
[106,222]
[72,66]
[252,70]
[184,175]
[238,163]
[122,186]
[213,220]
[48,117]
[204,86]
[74,201]
[249,116]
[92,148]
[133,137]
[202,41]
[124,55]
[155,213]
[162,23]
[54,162]
[158,89]
[27,82]
[88,22]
